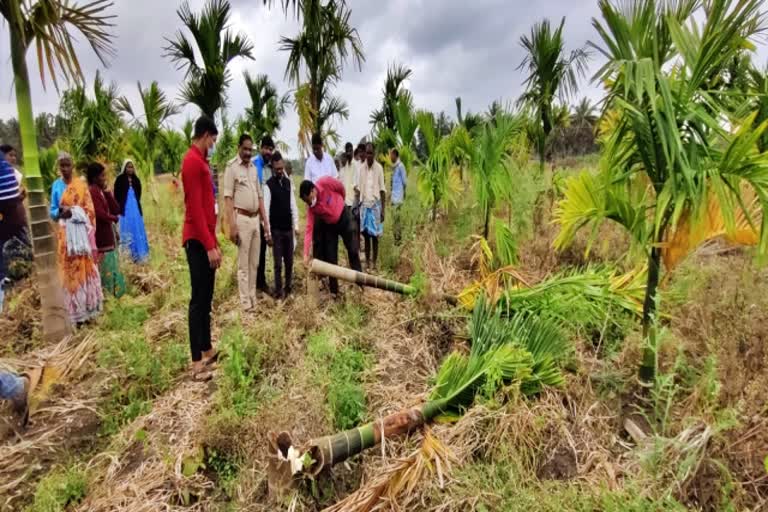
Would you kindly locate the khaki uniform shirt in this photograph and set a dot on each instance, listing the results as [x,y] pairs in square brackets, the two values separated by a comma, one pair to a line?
[241,183]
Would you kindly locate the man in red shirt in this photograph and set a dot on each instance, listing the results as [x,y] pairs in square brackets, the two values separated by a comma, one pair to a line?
[328,218]
[200,244]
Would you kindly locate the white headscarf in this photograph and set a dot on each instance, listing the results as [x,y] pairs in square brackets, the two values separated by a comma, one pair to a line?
[125,164]
[63,155]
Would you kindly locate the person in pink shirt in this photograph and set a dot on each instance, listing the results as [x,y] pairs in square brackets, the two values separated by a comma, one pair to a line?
[328,218]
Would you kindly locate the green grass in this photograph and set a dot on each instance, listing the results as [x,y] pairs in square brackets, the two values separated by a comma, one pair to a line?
[124,316]
[226,468]
[240,371]
[59,489]
[340,370]
[147,371]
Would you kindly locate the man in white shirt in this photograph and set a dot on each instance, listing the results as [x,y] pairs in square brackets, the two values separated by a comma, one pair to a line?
[319,163]
[349,175]
[373,194]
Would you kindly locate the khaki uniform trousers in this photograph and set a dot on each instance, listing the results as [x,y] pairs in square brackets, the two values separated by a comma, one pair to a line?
[249,229]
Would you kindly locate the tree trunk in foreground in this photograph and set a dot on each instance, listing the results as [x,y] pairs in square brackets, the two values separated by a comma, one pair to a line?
[648,366]
[56,324]
[327,451]
[326,269]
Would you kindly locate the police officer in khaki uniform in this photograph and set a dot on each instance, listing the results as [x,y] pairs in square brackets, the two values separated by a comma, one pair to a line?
[245,209]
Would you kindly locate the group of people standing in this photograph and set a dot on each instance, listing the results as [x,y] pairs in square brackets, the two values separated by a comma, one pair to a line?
[91,221]
[344,201]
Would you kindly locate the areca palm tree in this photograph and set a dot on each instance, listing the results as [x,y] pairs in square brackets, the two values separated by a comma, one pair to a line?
[438,177]
[393,91]
[267,106]
[49,25]
[212,39]
[670,156]
[317,55]
[94,120]
[584,114]
[551,75]
[150,121]
[491,162]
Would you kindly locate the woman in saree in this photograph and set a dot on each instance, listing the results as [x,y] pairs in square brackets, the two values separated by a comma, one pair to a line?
[72,208]
[133,235]
[107,211]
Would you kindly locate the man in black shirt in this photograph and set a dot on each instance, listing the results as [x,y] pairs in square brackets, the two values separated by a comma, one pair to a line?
[280,206]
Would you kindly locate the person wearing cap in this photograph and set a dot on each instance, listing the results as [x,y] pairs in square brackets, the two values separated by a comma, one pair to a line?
[244,204]
[263,163]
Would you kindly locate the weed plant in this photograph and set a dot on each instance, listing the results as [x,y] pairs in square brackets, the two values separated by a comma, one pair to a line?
[60,489]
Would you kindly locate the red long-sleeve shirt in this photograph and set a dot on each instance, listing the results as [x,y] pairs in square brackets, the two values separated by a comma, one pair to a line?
[328,208]
[107,210]
[200,212]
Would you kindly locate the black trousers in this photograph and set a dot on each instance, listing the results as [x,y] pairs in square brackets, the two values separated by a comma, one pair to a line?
[203,278]
[261,272]
[325,242]
[282,250]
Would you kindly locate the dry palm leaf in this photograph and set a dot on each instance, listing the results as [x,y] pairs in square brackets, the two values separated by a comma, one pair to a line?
[692,233]
[402,478]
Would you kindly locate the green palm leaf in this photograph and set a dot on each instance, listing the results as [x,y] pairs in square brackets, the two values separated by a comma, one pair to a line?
[524,349]
[207,80]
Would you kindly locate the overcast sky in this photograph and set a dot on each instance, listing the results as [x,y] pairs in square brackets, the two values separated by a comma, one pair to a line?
[455,48]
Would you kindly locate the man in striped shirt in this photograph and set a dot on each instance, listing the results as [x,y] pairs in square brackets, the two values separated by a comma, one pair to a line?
[13,217]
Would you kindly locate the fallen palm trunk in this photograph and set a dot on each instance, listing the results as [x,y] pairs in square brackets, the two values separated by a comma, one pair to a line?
[345,274]
[327,451]
[522,350]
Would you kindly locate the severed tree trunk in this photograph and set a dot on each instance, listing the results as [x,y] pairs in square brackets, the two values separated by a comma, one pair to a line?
[345,274]
[56,324]
[327,451]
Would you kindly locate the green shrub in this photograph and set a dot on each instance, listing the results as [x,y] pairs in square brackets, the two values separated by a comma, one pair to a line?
[59,489]
[340,371]
[240,371]
[148,372]
[124,317]
[346,396]
[226,468]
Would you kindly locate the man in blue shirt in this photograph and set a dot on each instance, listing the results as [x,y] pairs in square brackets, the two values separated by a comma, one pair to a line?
[399,183]
[13,216]
[264,169]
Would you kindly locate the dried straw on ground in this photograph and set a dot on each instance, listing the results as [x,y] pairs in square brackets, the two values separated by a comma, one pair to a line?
[144,470]
[60,416]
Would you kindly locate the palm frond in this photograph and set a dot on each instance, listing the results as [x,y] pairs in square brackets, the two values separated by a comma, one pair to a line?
[523,349]
[216,44]
[49,25]
[580,297]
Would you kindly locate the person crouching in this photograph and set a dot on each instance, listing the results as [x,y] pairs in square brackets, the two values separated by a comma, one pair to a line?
[328,218]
